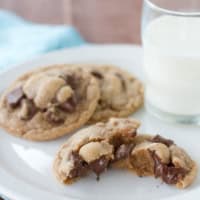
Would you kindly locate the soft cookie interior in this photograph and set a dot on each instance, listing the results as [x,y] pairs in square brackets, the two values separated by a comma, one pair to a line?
[98,156]
[163,159]
[87,151]
[144,154]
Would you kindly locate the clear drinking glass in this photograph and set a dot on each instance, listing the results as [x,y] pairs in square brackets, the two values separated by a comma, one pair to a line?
[171,44]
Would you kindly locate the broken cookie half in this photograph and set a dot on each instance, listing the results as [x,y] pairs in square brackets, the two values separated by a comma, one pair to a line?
[162,158]
[116,144]
[94,149]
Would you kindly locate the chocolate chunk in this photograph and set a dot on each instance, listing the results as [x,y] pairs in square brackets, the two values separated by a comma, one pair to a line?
[67,107]
[54,115]
[32,110]
[159,167]
[70,79]
[124,138]
[97,74]
[168,172]
[74,100]
[80,166]
[28,109]
[122,80]
[174,174]
[70,104]
[98,166]
[116,141]
[159,139]
[15,96]
[123,151]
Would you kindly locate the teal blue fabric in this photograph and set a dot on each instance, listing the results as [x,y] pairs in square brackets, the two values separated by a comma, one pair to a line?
[21,40]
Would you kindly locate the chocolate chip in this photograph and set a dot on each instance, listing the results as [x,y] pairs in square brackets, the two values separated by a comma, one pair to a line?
[15,96]
[116,141]
[67,107]
[174,174]
[70,104]
[123,138]
[74,100]
[98,166]
[168,172]
[28,109]
[97,74]
[159,167]
[122,80]
[70,79]
[159,139]
[54,115]
[80,166]
[32,110]
[123,151]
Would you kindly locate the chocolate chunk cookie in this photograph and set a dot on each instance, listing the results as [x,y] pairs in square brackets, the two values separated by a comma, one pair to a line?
[49,102]
[116,144]
[121,93]
[93,149]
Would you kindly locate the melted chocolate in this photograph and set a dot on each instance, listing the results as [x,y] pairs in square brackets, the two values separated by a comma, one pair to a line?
[127,137]
[168,172]
[98,166]
[80,166]
[123,151]
[159,139]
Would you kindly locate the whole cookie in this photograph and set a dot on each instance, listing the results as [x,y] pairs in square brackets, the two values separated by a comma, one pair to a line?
[121,93]
[49,102]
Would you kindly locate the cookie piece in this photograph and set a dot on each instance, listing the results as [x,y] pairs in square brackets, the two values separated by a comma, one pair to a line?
[121,93]
[49,102]
[94,149]
[161,158]
[116,144]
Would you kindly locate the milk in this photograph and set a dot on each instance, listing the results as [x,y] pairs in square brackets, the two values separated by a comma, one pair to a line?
[172,64]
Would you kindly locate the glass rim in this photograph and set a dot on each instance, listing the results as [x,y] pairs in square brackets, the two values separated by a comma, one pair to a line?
[171,12]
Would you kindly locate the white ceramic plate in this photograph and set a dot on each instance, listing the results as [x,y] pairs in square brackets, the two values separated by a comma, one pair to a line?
[26,167]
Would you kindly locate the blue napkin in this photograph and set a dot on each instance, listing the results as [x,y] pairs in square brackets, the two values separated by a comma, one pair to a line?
[21,40]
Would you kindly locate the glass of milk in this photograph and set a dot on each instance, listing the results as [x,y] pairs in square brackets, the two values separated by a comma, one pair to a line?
[171,44]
